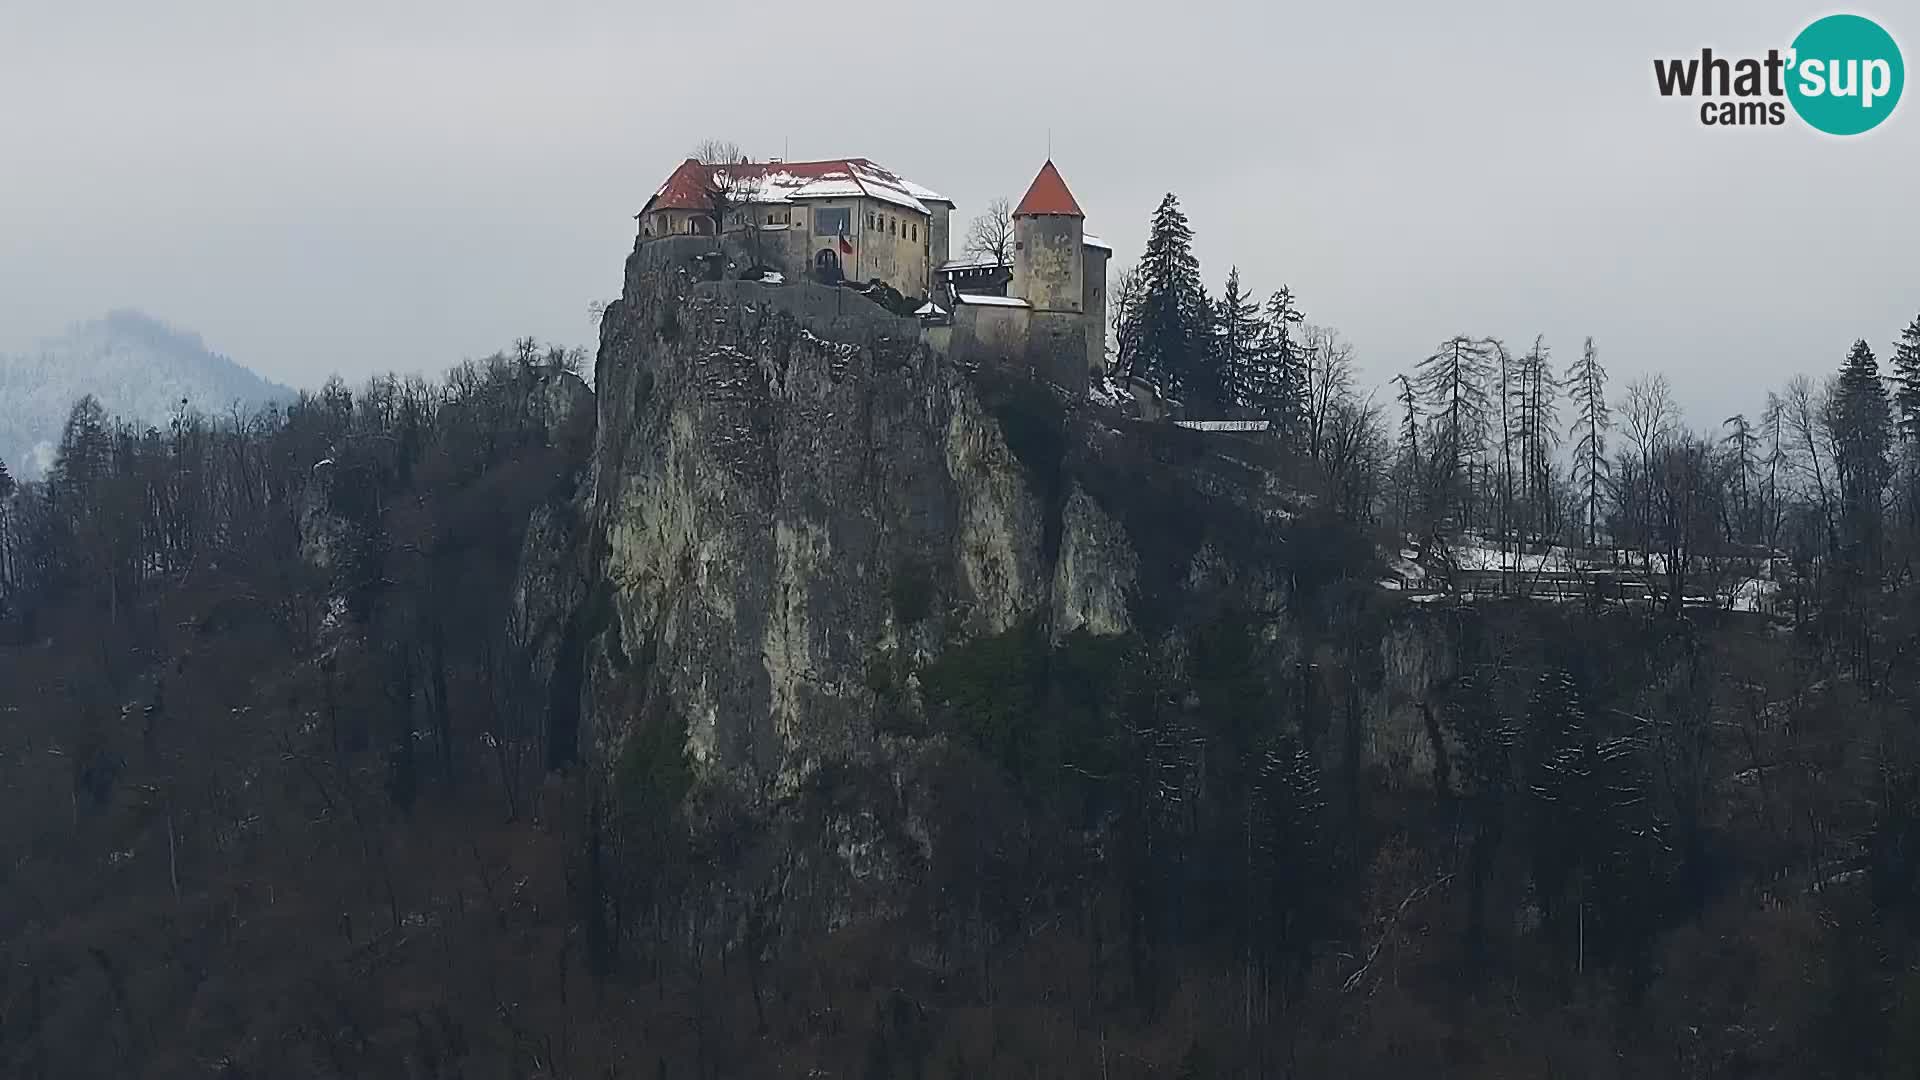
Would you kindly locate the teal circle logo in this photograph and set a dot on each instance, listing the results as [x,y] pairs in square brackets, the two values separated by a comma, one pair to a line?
[1845,74]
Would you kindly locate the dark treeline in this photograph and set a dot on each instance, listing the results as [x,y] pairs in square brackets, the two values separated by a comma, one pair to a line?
[1518,448]
[283,794]
[237,656]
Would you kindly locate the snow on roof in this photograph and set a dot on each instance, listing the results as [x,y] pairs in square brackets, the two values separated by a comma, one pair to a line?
[1093,241]
[929,308]
[767,182]
[923,193]
[990,301]
[1225,425]
[972,262]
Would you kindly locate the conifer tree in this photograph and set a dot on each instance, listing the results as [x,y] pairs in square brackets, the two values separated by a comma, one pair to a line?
[1906,378]
[1861,421]
[1238,338]
[1280,378]
[86,447]
[1170,335]
[1906,412]
[1587,386]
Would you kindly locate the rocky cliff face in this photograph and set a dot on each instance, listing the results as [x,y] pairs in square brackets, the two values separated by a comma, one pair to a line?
[789,484]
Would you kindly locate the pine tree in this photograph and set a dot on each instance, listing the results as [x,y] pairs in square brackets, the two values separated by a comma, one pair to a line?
[1587,386]
[1906,377]
[86,447]
[1280,382]
[6,481]
[1238,338]
[1861,420]
[1170,333]
[1906,407]
[1454,383]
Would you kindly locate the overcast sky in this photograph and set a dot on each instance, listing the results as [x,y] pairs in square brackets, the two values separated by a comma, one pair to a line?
[359,186]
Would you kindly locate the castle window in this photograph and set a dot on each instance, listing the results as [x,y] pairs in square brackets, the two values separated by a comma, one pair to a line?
[869,219]
[832,221]
[892,224]
[916,230]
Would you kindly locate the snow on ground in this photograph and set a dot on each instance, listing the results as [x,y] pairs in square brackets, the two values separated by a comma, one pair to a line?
[1475,564]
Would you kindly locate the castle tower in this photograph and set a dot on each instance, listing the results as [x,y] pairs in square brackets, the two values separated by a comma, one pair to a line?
[1048,233]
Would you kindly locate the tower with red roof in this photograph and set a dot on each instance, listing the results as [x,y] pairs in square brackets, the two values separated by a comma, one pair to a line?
[1049,233]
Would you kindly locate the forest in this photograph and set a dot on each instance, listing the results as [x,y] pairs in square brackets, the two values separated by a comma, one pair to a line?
[282,794]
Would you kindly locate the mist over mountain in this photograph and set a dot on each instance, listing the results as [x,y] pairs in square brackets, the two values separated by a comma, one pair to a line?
[138,366]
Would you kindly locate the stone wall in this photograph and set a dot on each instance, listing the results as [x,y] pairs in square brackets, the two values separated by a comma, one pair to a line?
[1048,261]
[897,257]
[1094,304]
[1057,349]
[983,332]
[939,235]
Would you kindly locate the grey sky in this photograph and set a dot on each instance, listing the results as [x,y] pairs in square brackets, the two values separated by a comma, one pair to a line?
[360,186]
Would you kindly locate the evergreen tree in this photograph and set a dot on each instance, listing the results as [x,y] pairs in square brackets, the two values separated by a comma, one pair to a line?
[1906,408]
[1280,382]
[1587,386]
[1238,338]
[1861,421]
[6,481]
[1906,377]
[1170,335]
[86,447]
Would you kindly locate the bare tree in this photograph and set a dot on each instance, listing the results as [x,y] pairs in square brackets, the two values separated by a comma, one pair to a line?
[990,236]
[733,193]
[1650,421]
[1649,415]
[1353,452]
[1125,295]
[717,152]
[1809,450]
[1329,382]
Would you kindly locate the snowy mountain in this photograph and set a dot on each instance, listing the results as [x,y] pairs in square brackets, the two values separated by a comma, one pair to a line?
[139,367]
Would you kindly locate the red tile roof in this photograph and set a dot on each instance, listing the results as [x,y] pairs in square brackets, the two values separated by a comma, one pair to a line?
[781,181]
[1048,195]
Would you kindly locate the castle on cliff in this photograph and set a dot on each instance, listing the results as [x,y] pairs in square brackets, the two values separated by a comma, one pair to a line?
[850,220]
